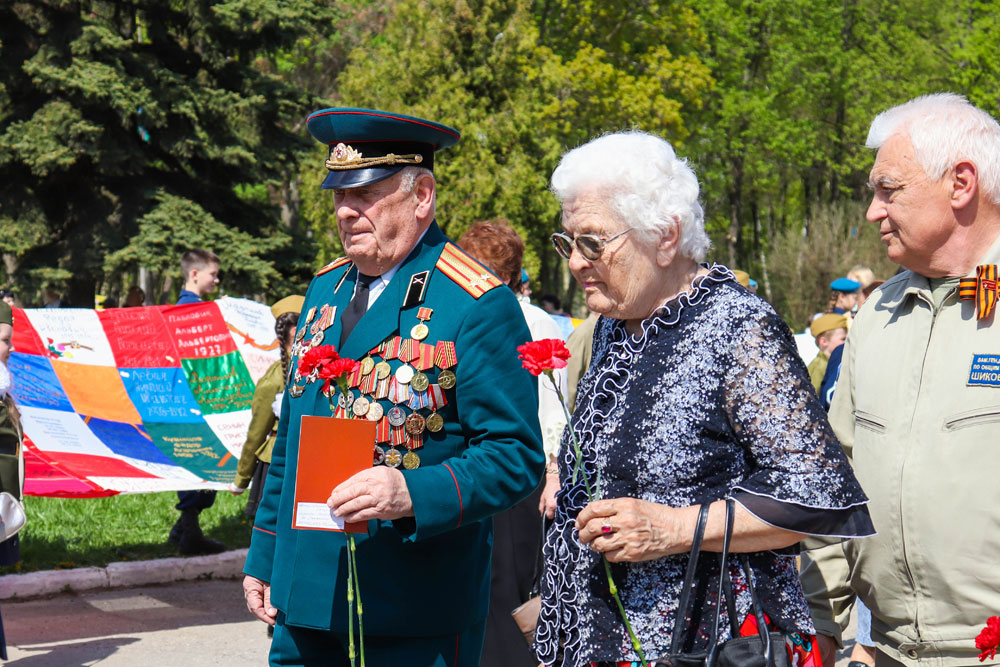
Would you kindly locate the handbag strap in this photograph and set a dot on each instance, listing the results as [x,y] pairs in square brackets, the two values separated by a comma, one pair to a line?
[536,577]
[758,610]
[682,605]
[723,594]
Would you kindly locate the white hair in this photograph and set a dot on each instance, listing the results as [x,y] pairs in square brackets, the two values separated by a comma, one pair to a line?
[408,177]
[649,188]
[945,129]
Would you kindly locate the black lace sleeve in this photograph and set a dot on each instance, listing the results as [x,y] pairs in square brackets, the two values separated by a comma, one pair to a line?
[800,478]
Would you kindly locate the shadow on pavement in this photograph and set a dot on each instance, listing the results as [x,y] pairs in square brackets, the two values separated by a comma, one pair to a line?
[76,654]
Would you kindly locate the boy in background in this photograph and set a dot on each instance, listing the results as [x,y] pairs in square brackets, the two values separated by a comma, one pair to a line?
[201,277]
[830,332]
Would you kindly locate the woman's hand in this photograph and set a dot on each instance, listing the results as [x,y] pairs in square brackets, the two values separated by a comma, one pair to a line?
[547,503]
[632,530]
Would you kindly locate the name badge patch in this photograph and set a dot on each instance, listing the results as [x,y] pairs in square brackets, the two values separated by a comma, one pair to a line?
[985,371]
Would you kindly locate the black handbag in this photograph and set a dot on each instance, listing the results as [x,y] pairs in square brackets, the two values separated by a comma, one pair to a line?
[767,649]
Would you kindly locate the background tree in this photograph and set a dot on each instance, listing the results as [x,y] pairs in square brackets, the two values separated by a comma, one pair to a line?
[106,104]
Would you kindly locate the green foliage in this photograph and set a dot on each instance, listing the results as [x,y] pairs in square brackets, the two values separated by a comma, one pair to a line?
[175,225]
[107,105]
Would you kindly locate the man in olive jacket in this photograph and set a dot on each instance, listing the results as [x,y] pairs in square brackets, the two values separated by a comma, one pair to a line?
[918,401]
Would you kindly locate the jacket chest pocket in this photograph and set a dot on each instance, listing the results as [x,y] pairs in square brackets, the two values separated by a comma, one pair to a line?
[869,422]
[977,417]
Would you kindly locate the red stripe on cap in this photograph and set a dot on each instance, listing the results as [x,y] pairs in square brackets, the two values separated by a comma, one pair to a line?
[460,508]
[383,115]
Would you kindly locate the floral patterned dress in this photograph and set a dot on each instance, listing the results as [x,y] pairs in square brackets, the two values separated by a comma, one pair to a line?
[709,401]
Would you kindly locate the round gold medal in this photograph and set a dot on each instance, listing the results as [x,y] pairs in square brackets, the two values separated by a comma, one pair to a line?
[414,424]
[361,406]
[419,381]
[411,460]
[434,422]
[367,364]
[393,458]
[375,411]
[446,379]
[419,331]
[382,370]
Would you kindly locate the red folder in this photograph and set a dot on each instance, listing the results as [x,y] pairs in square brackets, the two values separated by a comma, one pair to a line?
[330,451]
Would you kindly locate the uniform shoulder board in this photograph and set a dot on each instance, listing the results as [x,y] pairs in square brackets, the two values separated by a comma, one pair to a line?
[333,265]
[466,272]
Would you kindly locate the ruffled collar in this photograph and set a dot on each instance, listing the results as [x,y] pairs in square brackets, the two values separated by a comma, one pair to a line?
[669,314]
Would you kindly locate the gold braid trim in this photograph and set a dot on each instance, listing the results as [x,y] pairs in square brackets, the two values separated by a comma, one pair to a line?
[357,162]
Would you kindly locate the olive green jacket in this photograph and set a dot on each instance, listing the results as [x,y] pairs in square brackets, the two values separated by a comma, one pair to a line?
[263,425]
[917,408]
[10,454]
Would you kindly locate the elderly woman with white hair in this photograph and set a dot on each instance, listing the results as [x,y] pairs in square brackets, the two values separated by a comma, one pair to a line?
[695,395]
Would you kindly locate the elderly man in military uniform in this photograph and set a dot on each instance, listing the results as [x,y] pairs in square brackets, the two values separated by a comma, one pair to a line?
[916,404]
[457,435]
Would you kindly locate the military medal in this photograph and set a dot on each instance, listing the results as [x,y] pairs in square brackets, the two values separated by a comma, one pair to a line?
[375,411]
[415,424]
[378,456]
[360,407]
[404,374]
[382,369]
[434,421]
[295,390]
[317,339]
[420,331]
[355,379]
[367,365]
[393,458]
[396,416]
[445,358]
[368,383]
[446,379]
[310,315]
[300,334]
[410,460]
[346,400]
[419,382]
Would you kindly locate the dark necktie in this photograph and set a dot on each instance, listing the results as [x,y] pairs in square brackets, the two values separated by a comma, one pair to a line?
[356,308]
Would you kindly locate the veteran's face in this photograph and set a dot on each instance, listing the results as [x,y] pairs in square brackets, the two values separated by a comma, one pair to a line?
[6,342]
[621,284]
[913,213]
[379,224]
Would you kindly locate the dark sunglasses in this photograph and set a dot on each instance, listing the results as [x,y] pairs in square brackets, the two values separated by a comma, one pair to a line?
[589,245]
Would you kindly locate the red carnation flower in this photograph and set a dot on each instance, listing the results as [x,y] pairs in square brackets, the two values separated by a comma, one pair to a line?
[316,356]
[331,370]
[988,640]
[543,355]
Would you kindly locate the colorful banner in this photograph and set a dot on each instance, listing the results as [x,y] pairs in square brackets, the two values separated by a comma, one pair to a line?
[132,400]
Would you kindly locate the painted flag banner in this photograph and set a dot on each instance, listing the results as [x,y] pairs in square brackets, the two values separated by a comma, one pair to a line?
[133,400]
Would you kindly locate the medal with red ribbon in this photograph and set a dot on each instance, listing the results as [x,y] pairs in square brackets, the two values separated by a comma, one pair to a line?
[425,357]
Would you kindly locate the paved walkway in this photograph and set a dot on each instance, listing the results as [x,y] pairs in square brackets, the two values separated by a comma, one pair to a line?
[185,624]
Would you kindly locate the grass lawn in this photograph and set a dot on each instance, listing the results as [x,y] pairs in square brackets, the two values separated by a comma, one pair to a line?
[70,532]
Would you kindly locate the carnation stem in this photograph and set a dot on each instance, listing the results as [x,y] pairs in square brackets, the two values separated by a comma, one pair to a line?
[592,494]
[350,608]
[357,592]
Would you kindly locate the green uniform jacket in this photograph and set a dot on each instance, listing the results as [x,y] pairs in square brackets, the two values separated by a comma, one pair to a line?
[10,453]
[918,415]
[429,574]
[260,435]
